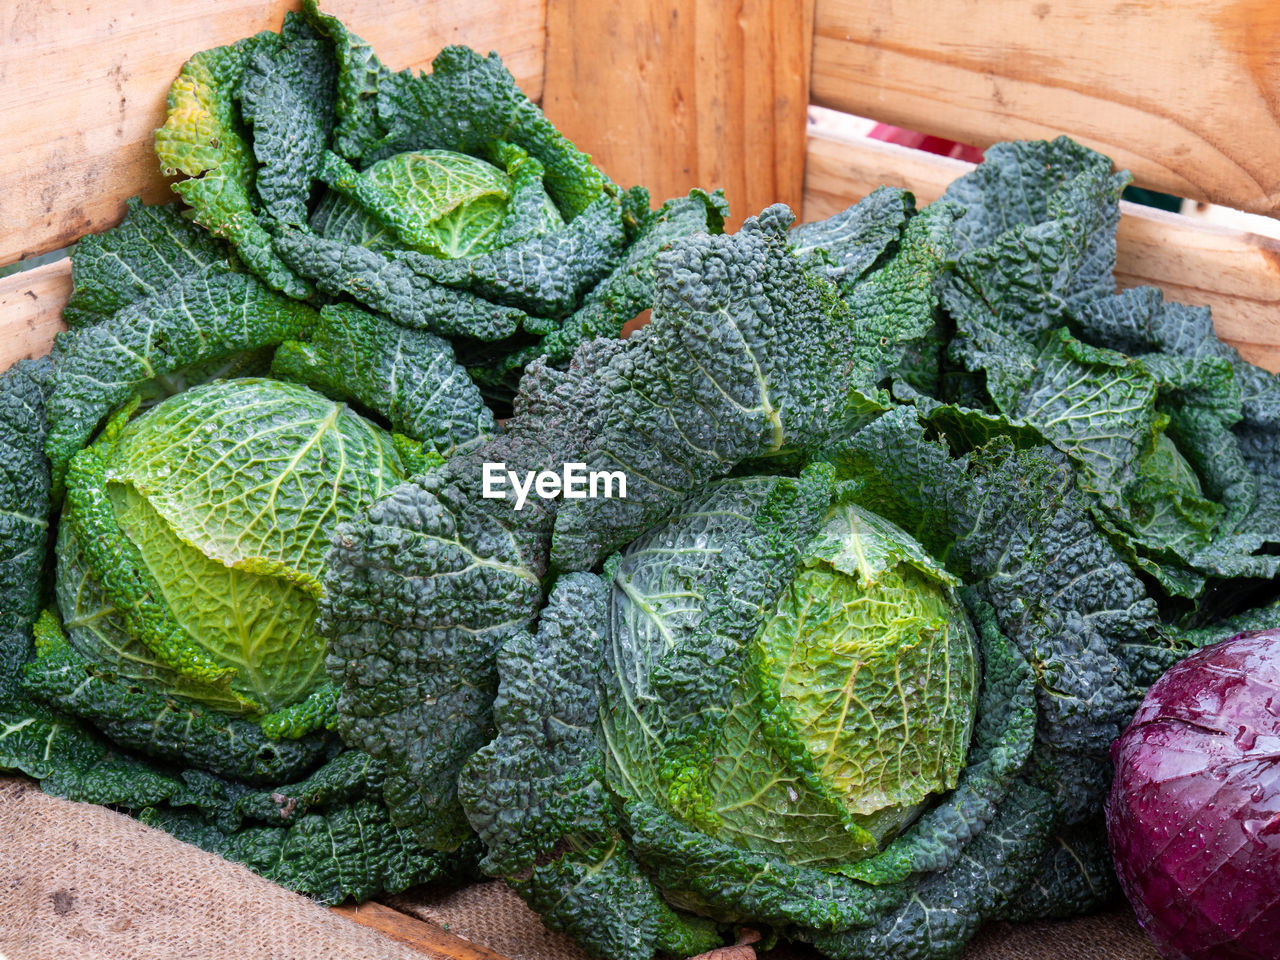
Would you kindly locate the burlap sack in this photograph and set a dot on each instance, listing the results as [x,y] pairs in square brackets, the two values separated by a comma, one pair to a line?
[79,882]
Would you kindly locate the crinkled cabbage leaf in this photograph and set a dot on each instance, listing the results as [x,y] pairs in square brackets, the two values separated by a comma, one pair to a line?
[445,201]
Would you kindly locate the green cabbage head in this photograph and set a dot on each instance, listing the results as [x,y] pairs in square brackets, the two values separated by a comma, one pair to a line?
[438,202]
[182,673]
[736,722]
[195,535]
[855,705]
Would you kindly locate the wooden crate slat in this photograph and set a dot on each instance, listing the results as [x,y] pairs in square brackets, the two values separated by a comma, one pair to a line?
[31,310]
[85,86]
[840,170]
[430,939]
[1235,273]
[1185,94]
[676,94]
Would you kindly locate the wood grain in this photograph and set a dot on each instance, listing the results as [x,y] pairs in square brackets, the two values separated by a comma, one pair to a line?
[85,86]
[675,94]
[1184,93]
[1235,273]
[31,310]
[427,937]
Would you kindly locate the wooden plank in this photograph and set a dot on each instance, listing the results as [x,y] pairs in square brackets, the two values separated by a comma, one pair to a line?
[1235,273]
[1184,93]
[675,94]
[85,86]
[419,934]
[31,310]
[842,169]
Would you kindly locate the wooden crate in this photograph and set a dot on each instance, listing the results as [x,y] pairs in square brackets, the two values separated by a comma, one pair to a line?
[681,93]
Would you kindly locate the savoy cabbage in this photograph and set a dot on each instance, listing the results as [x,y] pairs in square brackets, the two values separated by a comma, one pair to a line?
[180,673]
[356,271]
[1165,423]
[448,201]
[653,752]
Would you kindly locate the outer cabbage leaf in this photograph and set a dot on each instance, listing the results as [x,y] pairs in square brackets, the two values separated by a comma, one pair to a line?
[348,852]
[360,74]
[1075,874]
[628,290]
[24,490]
[1102,409]
[422,589]
[152,249]
[145,719]
[408,376]
[544,274]
[1184,642]
[547,738]
[204,316]
[900,300]
[849,244]
[326,835]
[1038,230]
[946,908]
[393,287]
[31,737]
[748,356]
[203,139]
[146,259]
[420,592]
[287,94]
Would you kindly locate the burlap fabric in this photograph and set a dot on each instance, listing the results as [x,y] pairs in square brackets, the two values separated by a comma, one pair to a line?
[79,882]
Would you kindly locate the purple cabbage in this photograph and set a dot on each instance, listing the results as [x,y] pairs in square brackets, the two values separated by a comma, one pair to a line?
[1194,812]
